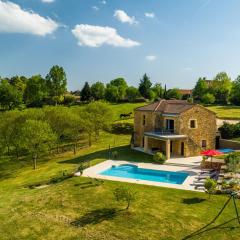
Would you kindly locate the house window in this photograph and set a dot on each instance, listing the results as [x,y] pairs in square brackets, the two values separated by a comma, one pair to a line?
[193,123]
[144,120]
[204,143]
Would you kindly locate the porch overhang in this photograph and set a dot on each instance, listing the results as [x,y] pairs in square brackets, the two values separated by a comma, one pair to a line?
[165,137]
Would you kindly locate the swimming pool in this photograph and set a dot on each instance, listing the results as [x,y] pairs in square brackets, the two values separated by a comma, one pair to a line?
[132,171]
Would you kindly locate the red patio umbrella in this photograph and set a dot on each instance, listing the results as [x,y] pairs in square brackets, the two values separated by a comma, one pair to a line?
[211,153]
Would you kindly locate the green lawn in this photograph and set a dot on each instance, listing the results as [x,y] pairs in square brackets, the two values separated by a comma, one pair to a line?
[230,112]
[78,208]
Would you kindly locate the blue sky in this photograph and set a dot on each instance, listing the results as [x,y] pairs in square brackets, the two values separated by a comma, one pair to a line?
[173,41]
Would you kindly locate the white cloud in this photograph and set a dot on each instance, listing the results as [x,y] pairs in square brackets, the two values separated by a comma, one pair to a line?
[48,1]
[14,19]
[149,15]
[96,36]
[151,58]
[95,8]
[124,18]
[103,2]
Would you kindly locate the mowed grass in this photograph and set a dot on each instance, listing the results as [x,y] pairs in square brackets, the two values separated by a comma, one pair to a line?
[80,208]
[229,112]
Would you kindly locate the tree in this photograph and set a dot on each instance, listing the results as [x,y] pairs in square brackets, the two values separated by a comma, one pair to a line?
[121,85]
[235,92]
[210,186]
[125,194]
[200,89]
[111,93]
[158,90]
[132,94]
[98,91]
[86,92]
[56,83]
[208,98]
[7,129]
[36,91]
[37,136]
[221,88]
[145,86]
[60,121]
[75,129]
[10,97]
[101,116]
[173,94]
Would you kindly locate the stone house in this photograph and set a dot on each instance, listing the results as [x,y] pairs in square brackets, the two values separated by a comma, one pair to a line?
[174,127]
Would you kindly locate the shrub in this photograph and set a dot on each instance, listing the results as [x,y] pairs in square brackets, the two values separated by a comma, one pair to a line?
[227,130]
[159,158]
[210,186]
[125,194]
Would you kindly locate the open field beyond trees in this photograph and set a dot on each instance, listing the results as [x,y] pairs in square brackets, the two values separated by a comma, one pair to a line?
[228,112]
[81,208]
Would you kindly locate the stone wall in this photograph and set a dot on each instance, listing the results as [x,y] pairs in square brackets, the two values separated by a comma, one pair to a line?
[205,129]
[224,143]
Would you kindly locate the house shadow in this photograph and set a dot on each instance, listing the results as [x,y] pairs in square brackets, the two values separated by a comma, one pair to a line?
[194,200]
[95,217]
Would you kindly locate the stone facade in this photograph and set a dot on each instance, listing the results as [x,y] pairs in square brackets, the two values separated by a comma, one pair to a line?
[202,136]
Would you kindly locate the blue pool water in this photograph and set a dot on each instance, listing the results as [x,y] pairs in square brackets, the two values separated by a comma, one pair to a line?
[132,171]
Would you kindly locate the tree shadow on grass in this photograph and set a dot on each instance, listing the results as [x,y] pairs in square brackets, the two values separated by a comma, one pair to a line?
[194,200]
[95,217]
[125,153]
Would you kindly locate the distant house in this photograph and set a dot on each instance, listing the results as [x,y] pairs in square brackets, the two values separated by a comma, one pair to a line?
[174,127]
[186,93]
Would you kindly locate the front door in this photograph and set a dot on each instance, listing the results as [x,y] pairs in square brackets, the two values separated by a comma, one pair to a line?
[171,146]
[182,148]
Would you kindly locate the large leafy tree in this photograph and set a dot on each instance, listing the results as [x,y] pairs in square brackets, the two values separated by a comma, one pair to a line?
[132,94]
[95,117]
[60,121]
[121,85]
[86,92]
[111,93]
[56,83]
[158,90]
[235,92]
[36,91]
[145,86]
[37,137]
[200,89]
[10,97]
[98,91]
[221,87]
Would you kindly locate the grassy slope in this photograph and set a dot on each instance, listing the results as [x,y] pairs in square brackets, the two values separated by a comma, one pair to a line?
[79,209]
[231,112]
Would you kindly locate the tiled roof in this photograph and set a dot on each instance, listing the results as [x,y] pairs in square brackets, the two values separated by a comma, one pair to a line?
[167,106]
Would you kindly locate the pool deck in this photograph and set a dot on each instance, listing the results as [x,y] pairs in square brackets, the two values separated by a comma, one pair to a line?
[192,167]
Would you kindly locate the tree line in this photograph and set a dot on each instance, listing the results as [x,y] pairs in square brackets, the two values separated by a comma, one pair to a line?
[35,132]
[36,91]
[33,91]
[220,90]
